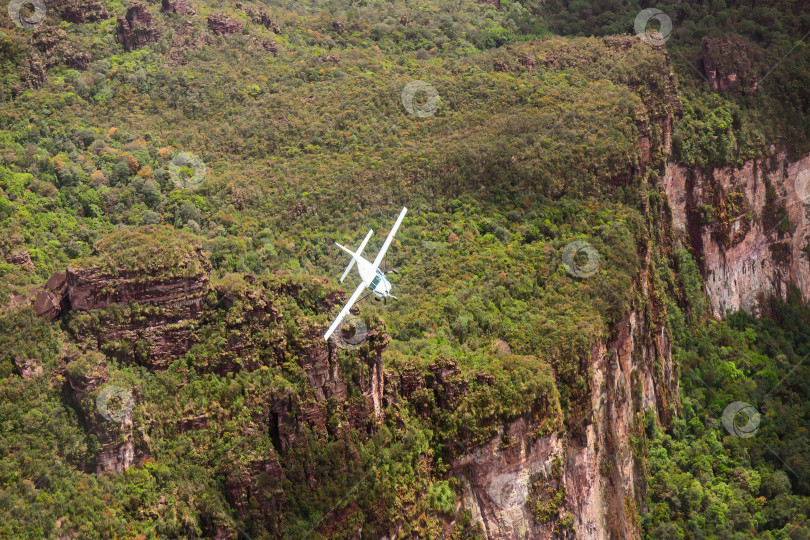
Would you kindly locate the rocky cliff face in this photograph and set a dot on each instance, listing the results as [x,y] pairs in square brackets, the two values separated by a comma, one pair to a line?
[81,11]
[137,27]
[150,307]
[223,25]
[145,313]
[178,6]
[749,226]
[106,410]
[583,482]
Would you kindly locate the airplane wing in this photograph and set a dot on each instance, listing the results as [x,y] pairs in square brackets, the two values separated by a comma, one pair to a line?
[388,240]
[344,311]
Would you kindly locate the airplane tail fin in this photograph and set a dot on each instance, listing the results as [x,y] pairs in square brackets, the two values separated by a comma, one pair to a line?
[354,254]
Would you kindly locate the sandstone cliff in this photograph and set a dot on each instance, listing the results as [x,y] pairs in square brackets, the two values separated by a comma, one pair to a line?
[583,481]
[748,227]
[106,410]
[139,297]
[137,27]
[145,297]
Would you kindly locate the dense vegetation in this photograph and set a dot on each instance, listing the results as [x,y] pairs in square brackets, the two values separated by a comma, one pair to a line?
[703,480]
[303,146]
[769,47]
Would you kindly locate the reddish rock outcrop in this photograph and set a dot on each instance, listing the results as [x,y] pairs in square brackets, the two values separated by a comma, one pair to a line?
[81,11]
[223,25]
[27,367]
[178,6]
[137,28]
[57,283]
[56,48]
[94,288]
[145,287]
[46,305]
[106,409]
[51,299]
[749,226]
[592,463]
[22,259]
[727,63]
[588,467]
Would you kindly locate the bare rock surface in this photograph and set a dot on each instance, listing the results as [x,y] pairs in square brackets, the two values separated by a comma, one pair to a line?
[104,409]
[27,367]
[81,11]
[534,482]
[749,224]
[137,27]
[46,305]
[590,469]
[178,6]
[223,25]
[22,259]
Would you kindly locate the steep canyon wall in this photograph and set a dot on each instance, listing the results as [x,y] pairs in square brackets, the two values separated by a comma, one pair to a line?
[748,227]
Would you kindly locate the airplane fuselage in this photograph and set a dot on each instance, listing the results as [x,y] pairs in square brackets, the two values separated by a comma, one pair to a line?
[374,281]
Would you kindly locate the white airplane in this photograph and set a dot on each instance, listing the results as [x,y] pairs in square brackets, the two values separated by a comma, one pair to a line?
[372,278]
